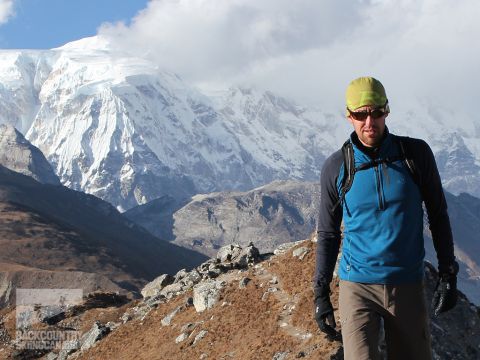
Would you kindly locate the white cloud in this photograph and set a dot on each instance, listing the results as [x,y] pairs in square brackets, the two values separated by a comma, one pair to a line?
[205,39]
[6,10]
[311,49]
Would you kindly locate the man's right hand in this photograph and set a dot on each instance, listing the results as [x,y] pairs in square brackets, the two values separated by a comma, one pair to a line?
[324,315]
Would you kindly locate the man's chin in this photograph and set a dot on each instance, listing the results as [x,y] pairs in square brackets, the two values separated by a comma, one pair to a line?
[371,141]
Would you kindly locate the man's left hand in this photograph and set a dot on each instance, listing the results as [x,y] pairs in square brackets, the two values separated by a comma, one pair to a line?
[445,295]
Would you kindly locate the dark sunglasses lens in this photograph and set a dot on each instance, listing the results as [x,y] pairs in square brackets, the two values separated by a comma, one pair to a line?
[359,115]
[362,115]
[377,113]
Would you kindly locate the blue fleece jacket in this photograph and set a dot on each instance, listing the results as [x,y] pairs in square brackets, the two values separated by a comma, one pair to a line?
[383,216]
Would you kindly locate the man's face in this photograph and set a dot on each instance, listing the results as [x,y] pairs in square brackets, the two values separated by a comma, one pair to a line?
[369,131]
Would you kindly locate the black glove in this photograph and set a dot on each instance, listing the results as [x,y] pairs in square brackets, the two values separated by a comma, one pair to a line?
[324,313]
[445,295]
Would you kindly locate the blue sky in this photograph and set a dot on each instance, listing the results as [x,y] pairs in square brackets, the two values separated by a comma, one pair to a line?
[45,24]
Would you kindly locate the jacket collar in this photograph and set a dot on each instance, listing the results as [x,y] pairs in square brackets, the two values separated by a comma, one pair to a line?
[372,152]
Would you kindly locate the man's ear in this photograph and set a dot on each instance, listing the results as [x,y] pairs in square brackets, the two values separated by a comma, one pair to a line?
[350,120]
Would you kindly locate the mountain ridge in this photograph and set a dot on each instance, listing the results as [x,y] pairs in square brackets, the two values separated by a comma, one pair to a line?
[128,132]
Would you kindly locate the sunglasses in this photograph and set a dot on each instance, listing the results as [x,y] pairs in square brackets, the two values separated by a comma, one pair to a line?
[362,115]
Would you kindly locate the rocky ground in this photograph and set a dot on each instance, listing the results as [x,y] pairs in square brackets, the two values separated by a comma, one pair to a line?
[238,306]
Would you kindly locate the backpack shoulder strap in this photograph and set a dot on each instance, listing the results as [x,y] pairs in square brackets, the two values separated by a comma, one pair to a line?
[407,155]
[348,171]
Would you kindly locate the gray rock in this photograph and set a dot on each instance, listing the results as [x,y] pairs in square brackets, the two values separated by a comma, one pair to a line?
[188,328]
[155,300]
[182,337]
[126,317]
[280,355]
[203,356]
[234,256]
[229,252]
[249,256]
[180,275]
[200,336]
[97,332]
[187,331]
[243,283]
[274,280]
[167,320]
[140,311]
[68,348]
[172,290]
[214,271]
[268,292]
[206,265]
[301,252]
[51,356]
[192,278]
[206,294]
[112,325]
[154,287]
[283,248]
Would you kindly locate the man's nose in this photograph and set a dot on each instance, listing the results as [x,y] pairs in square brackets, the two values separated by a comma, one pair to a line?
[369,120]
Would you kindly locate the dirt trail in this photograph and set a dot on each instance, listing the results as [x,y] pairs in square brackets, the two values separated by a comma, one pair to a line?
[289,303]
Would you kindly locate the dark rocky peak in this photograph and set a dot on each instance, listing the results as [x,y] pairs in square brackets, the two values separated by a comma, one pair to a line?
[18,154]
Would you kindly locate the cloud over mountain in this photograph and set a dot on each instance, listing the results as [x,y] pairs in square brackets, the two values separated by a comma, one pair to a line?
[310,50]
[6,10]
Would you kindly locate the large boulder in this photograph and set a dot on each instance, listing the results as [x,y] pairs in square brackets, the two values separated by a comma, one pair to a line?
[154,287]
[237,256]
[206,294]
[97,332]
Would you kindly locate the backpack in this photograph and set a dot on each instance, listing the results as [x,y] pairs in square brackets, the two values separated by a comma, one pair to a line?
[349,168]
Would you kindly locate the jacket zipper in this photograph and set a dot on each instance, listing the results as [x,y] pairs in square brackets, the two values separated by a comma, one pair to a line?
[381,204]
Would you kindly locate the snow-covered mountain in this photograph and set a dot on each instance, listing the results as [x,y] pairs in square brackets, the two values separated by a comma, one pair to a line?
[120,128]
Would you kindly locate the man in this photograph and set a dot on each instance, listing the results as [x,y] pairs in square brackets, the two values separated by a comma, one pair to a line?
[381,267]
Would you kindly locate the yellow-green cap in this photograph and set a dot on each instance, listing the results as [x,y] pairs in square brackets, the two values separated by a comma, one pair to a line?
[365,91]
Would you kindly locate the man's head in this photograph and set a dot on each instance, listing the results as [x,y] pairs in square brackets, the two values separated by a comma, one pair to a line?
[367,108]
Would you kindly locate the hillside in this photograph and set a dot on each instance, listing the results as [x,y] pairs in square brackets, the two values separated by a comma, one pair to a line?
[53,228]
[268,317]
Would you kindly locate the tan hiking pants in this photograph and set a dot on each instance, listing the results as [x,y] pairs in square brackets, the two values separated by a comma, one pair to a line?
[405,321]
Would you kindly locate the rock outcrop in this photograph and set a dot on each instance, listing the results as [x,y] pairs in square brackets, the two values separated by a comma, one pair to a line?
[18,154]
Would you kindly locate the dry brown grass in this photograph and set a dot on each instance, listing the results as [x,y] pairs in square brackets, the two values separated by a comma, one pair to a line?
[240,326]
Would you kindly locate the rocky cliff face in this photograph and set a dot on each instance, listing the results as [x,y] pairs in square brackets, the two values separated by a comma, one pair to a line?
[239,305]
[268,216]
[18,154]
